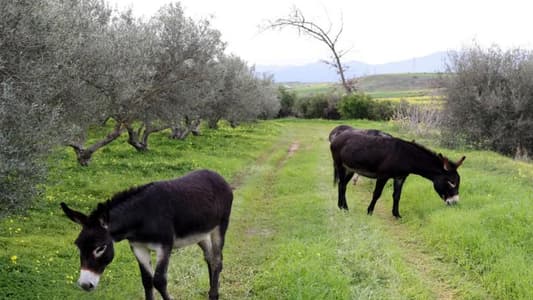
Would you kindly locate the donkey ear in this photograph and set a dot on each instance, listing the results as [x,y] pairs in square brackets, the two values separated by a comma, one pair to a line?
[75,216]
[460,162]
[445,162]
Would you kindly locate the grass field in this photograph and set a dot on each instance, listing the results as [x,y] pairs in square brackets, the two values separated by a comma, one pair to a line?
[287,239]
[409,85]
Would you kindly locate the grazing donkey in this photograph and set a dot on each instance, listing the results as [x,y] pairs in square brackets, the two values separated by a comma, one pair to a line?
[388,157]
[157,217]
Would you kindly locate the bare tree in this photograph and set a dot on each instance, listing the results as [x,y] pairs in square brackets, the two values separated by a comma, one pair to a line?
[297,20]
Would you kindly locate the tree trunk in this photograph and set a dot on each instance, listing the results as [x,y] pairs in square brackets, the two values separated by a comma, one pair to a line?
[181,132]
[133,138]
[233,123]
[139,139]
[213,123]
[195,127]
[340,70]
[84,155]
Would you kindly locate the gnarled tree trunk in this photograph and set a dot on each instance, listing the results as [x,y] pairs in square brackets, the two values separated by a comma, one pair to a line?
[181,132]
[84,155]
[139,138]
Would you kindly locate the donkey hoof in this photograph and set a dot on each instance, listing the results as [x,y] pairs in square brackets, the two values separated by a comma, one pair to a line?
[369,212]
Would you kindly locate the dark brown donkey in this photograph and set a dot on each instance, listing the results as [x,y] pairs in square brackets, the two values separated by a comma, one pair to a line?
[158,216]
[383,158]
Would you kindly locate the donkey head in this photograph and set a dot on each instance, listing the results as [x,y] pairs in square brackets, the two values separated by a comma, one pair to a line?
[447,183]
[94,243]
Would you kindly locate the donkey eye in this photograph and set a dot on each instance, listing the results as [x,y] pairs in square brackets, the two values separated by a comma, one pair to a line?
[451,184]
[99,251]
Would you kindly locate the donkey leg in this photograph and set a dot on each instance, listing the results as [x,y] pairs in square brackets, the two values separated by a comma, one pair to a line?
[212,248]
[344,178]
[160,275]
[144,259]
[378,189]
[398,184]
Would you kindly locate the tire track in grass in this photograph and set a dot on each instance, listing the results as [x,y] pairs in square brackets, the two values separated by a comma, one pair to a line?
[245,246]
[445,280]
[302,264]
[251,227]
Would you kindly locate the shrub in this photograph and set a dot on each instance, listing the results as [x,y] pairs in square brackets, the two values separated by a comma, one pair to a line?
[318,106]
[489,100]
[421,119]
[381,110]
[287,101]
[362,106]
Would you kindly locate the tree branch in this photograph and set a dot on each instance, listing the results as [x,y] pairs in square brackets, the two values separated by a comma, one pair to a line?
[297,20]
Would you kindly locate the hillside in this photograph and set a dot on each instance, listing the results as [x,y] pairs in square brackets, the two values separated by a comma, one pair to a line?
[399,82]
[320,72]
[379,86]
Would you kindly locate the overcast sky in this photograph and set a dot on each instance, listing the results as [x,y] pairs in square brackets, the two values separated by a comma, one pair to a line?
[376,31]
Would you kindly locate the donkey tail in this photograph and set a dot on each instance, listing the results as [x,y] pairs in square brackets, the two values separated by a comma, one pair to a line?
[335,175]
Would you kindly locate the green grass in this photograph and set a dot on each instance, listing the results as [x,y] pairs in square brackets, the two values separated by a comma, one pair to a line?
[287,239]
[378,86]
[309,89]
[399,82]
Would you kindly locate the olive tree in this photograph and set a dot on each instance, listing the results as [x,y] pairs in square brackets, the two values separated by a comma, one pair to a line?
[240,94]
[81,33]
[489,99]
[188,52]
[38,89]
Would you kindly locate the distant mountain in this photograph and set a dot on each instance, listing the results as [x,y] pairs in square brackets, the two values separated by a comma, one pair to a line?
[320,72]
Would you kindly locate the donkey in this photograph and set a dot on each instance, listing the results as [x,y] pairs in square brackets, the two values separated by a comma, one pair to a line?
[341,128]
[157,217]
[383,158]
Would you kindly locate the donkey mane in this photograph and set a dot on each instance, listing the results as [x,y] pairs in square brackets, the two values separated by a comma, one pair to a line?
[428,151]
[118,199]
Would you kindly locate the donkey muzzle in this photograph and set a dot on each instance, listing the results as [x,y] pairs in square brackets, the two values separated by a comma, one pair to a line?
[452,200]
[88,280]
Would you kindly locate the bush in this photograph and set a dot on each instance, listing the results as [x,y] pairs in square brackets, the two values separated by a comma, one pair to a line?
[287,101]
[421,119]
[489,100]
[318,106]
[362,106]
[381,110]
